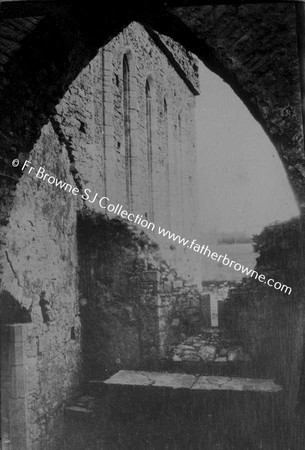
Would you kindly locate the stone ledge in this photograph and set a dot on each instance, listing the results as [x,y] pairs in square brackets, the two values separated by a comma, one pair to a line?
[192,382]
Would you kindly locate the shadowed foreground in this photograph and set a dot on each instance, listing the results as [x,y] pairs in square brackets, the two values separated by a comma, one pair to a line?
[137,417]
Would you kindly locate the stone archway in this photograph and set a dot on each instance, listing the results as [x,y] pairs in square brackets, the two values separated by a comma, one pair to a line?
[64,42]
[202,29]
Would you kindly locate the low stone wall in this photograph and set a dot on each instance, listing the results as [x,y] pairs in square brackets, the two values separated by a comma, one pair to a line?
[211,345]
[269,322]
[133,304]
[181,313]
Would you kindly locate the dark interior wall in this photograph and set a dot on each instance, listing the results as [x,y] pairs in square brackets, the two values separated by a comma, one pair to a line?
[119,312]
[271,327]
[271,323]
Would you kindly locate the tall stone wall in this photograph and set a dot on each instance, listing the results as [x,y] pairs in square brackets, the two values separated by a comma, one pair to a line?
[40,273]
[148,60]
[90,120]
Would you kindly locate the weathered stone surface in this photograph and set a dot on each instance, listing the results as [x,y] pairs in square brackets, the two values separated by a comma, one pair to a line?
[12,33]
[207,352]
[191,357]
[235,384]
[223,352]
[189,352]
[220,359]
[233,355]
[194,382]
[184,347]
[156,379]
[211,345]
[130,377]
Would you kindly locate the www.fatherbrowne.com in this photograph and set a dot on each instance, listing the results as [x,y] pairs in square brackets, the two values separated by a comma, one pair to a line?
[205,250]
[104,203]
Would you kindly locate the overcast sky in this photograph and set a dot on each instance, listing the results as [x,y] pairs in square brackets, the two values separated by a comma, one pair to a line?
[242,182]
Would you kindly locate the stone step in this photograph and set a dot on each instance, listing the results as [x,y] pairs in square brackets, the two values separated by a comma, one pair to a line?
[190,381]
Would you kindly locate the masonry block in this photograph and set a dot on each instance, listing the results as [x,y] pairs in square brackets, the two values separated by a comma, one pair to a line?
[18,382]
[152,275]
[18,332]
[177,284]
[19,426]
[16,353]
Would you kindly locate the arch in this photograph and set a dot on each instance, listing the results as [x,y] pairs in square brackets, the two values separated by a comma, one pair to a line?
[51,78]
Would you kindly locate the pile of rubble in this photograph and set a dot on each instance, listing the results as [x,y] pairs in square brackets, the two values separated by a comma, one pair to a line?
[212,345]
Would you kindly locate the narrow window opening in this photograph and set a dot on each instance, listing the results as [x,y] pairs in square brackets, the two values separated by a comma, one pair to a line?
[73,335]
[180,157]
[126,109]
[149,147]
[166,152]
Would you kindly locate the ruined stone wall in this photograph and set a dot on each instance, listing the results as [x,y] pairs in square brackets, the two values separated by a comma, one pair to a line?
[134,305]
[174,182]
[269,322]
[118,296]
[40,273]
[271,327]
[90,118]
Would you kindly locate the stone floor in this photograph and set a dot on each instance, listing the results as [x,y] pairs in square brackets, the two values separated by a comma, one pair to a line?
[212,345]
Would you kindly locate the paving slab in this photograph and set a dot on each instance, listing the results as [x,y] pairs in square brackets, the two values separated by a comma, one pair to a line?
[210,383]
[172,380]
[193,382]
[129,377]
[156,379]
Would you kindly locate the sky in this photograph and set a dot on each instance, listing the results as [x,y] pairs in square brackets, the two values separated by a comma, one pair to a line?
[242,181]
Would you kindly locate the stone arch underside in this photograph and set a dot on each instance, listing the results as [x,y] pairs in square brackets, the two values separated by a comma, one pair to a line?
[252,47]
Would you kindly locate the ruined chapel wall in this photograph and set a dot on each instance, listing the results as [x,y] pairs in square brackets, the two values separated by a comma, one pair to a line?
[91,119]
[40,272]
